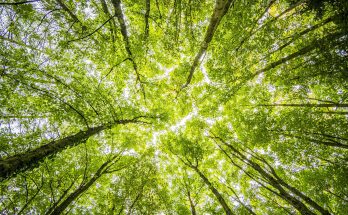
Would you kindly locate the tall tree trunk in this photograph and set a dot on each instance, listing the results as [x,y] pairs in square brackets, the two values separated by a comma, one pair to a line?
[217,194]
[220,10]
[327,142]
[192,205]
[71,14]
[288,197]
[147,16]
[304,105]
[112,23]
[29,160]
[279,183]
[294,190]
[82,188]
[121,20]
[312,46]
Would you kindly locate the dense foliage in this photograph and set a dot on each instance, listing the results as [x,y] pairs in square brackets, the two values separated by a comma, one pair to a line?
[174,107]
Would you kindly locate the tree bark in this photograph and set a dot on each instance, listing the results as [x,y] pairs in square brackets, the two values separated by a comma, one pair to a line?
[300,206]
[314,45]
[29,160]
[328,142]
[217,194]
[192,205]
[124,32]
[112,22]
[82,188]
[72,15]
[295,190]
[304,105]
[220,10]
[147,15]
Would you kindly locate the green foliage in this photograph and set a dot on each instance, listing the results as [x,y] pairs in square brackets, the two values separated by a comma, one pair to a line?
[271,84]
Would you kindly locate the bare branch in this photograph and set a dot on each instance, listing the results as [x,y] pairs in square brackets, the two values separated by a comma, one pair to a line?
[18,3]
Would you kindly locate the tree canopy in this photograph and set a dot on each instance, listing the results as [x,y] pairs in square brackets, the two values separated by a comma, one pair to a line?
[174,107]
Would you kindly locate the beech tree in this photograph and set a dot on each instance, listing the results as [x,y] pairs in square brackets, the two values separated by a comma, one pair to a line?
[173,107]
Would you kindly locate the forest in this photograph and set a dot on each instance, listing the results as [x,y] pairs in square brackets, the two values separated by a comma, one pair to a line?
[174,107]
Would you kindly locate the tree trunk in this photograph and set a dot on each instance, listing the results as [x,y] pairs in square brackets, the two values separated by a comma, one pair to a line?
[220,10]
[327,142]
[217,194]
[300,206]
[124,32]
[314,45]
[294,190]
[72,15]
[147,15]
[81,189]
[192,205]
[29,160]
[304,105]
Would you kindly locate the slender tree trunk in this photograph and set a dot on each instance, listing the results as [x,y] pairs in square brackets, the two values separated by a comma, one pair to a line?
[124,32]
[300,206]
[298,35]
[314,45]
[322,142]
[309,201]
[121,20]
[71,14]
[217,194]
[294,190]
[192,205]
[112,23]
[81,189]
[276,181]
[304,105]
[29,160]
[220,10]
[147,15]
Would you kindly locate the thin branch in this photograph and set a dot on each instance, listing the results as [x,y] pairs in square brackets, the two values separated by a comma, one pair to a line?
[18,3]
[90,34]
[112,68]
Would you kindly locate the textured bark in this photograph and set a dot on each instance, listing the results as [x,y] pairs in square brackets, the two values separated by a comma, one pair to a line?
[82,188]
[71,14]
[314,45]
[18,3]
[304,105]
[220,10]
[147,16]
[251,32]
[329,142]
[217,194]
[296,203]
[112,22]
[29,160]
[192,205]
[124,32]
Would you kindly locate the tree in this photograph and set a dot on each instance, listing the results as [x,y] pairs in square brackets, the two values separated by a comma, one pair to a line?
[218,107]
